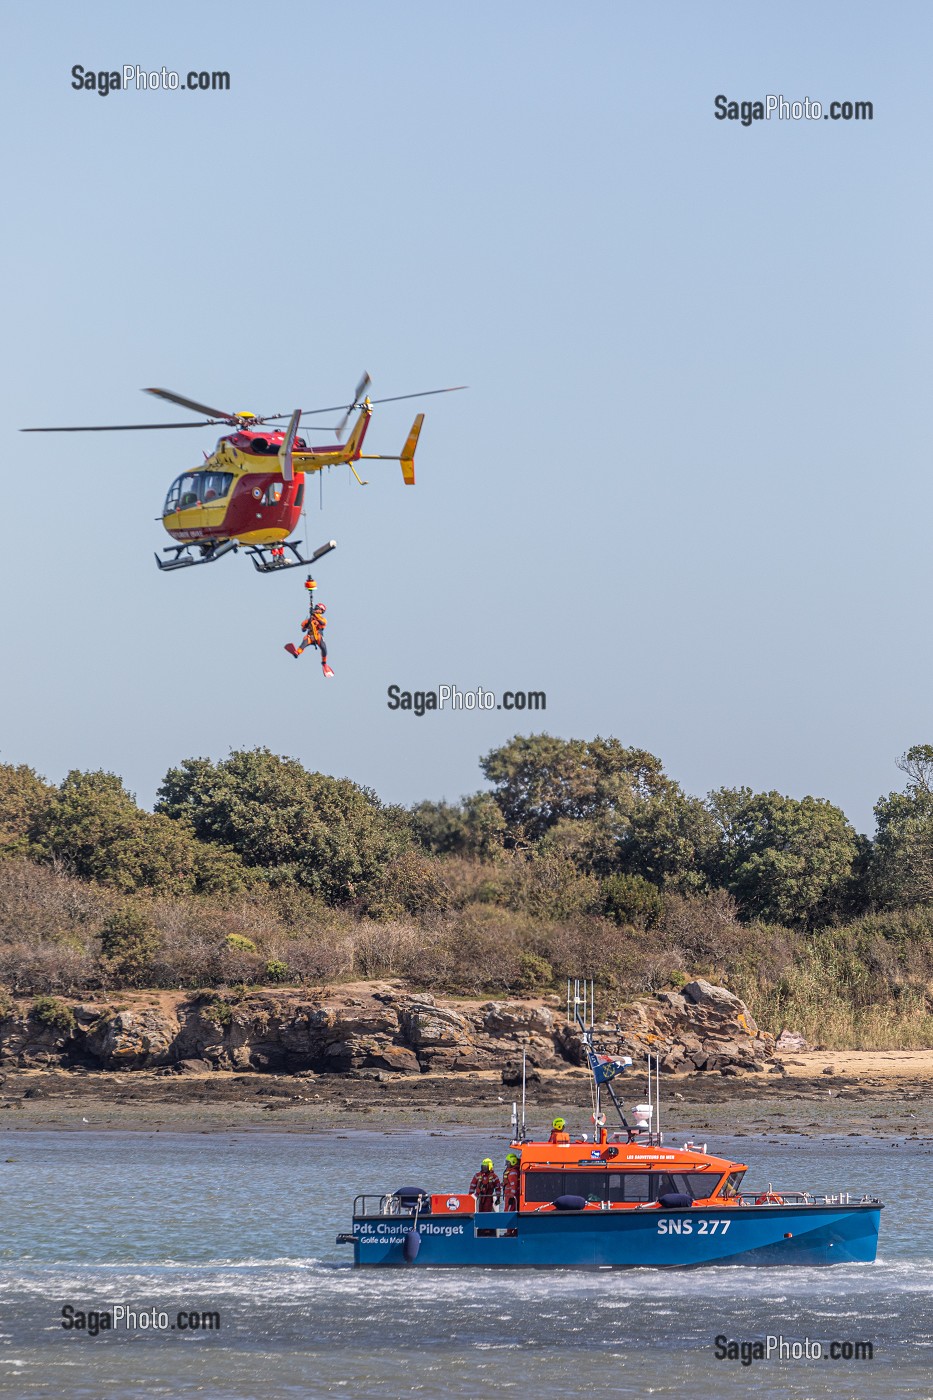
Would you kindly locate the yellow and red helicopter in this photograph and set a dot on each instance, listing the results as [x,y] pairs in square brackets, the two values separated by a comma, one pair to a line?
[250,489]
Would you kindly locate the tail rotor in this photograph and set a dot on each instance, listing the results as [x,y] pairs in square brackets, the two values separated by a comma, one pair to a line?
[358,395]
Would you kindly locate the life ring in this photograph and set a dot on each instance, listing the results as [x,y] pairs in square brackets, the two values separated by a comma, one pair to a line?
[769,1198]
[599,1119]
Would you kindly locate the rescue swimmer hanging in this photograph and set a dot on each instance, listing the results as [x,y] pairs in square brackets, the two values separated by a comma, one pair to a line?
[313,629]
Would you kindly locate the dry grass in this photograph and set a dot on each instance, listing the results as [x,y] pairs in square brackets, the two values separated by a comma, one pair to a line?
[501,929]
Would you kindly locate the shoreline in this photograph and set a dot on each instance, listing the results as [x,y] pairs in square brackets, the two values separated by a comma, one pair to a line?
[878,1093]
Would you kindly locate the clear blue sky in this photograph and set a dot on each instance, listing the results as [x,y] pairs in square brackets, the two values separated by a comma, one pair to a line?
[688,493]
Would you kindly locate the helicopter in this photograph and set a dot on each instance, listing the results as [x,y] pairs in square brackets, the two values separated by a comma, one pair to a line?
[250,490]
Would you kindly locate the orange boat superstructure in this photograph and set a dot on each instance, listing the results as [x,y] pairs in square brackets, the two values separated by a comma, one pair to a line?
[622,1175]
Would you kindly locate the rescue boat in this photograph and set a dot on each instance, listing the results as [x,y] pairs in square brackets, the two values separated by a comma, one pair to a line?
[619,1199]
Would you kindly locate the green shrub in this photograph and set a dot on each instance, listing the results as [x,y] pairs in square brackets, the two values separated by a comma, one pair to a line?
[630,899]
[128,943]
[220,1012]
[276,970]
[535,973]
[239,944]
[54,1013]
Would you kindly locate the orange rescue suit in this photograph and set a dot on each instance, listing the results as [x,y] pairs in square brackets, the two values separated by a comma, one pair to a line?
[510,1184]
[486,1188]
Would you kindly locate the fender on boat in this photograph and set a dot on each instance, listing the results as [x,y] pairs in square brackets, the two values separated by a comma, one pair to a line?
[411,1246]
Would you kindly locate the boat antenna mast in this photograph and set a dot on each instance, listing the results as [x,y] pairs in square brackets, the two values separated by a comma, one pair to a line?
[518,1133]
[581,1003]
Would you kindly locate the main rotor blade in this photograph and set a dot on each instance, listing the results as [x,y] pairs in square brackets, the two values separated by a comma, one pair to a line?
[395,398]
[119,427]
[190,403]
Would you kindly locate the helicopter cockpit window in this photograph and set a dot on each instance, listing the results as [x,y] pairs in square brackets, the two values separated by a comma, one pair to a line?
[197,488]
[273,493]
[214,485]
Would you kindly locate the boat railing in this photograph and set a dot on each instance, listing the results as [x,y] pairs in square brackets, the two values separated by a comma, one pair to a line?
[640,1137]
[388,1204]
[773,1196]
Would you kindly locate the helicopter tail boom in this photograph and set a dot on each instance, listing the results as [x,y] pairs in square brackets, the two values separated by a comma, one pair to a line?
[350,450]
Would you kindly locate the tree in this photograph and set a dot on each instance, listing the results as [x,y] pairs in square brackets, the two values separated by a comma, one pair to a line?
[541,779]
[94,826]
[672,842]
[608,808]
[23,797]
[473,827]
[439,827]
[327,834]
[901,870]
[785,860]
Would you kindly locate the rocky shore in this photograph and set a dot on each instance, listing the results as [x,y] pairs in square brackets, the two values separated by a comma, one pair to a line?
[375,1028]
[378,1055]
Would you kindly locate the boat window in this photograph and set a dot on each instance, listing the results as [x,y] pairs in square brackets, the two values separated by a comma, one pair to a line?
[593,1185]
[547,1186]
[731,1187]
[699,1185]
[197,488]
[631,1186]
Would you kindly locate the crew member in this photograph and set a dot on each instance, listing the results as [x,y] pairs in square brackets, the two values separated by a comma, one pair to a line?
[313,629]
[510,1181]
[487,1189]
[558,1131]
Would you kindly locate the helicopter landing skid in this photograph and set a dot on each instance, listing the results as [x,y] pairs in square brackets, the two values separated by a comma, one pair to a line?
[182,552]
[269,559]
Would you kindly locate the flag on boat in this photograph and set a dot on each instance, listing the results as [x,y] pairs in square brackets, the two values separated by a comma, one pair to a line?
[605,1067]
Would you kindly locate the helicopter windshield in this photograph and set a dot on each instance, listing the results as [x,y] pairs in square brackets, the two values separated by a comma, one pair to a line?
[197,488]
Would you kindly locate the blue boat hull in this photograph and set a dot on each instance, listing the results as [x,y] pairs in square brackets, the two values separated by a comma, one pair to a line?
[762,1235]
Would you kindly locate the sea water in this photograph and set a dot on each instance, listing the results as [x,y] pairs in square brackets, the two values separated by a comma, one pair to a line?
[243,1226]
